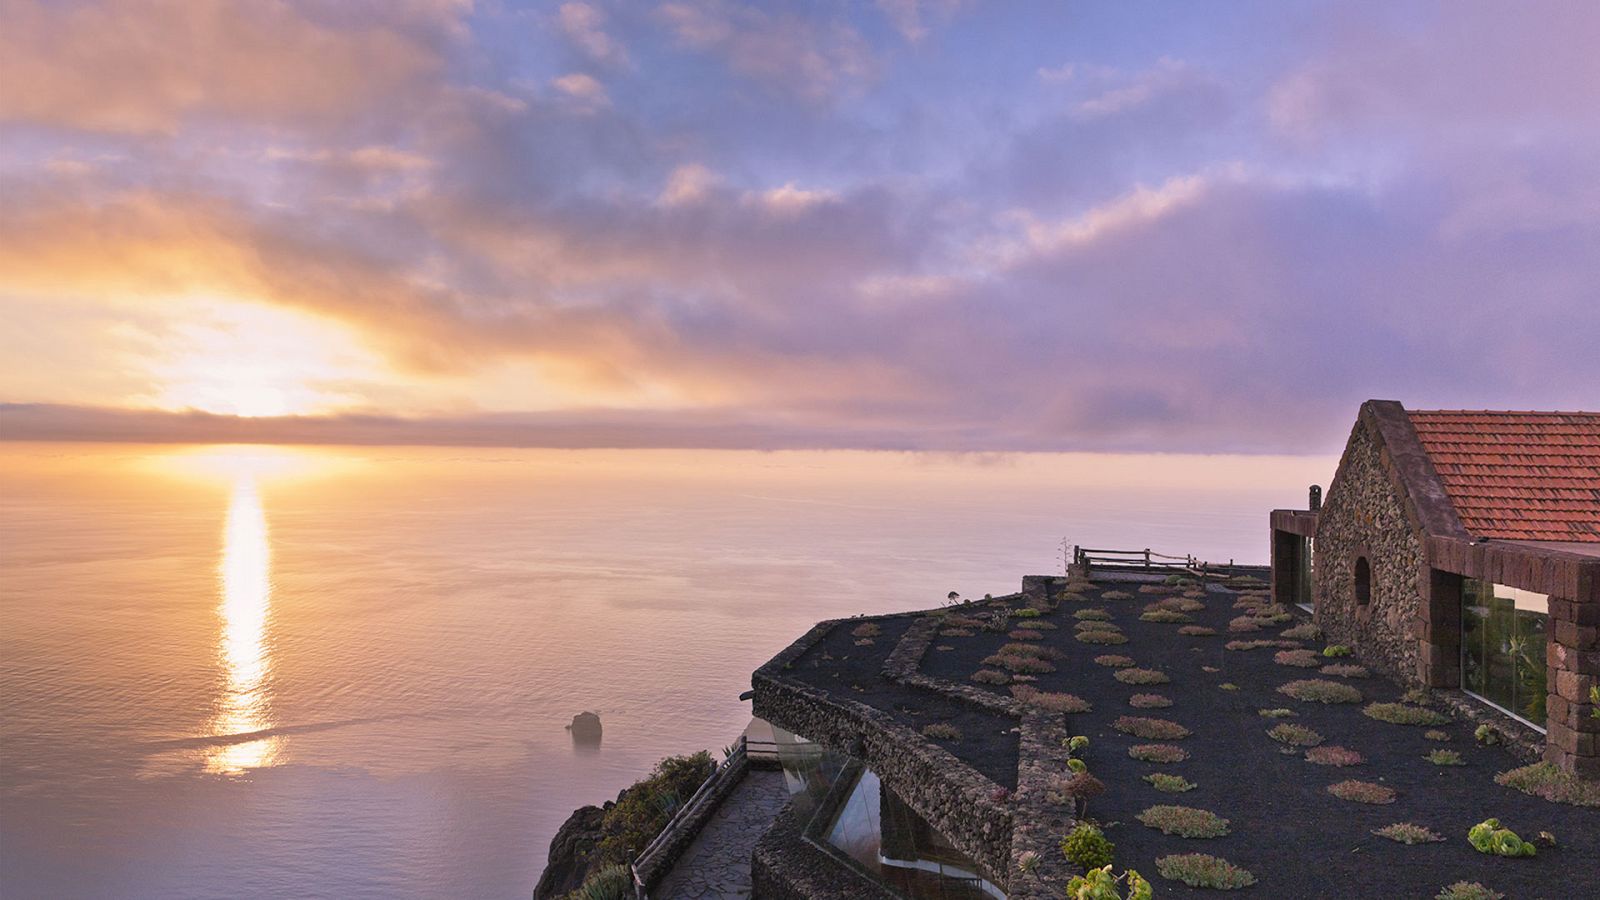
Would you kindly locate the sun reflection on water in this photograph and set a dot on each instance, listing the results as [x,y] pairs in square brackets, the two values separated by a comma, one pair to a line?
[245,605]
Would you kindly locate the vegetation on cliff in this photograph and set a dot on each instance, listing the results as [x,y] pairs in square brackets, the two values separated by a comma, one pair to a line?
[637,816]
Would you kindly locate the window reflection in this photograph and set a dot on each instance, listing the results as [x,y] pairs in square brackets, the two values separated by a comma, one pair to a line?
[866,823]
[1502,647]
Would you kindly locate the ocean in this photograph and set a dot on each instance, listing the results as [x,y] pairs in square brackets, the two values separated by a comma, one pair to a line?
[345,672]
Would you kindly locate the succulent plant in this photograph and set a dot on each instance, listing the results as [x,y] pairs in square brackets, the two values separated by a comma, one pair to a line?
[1488,837]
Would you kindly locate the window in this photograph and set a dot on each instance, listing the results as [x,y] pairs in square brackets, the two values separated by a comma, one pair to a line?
[1305,592]
[1363,581]
[1502,647]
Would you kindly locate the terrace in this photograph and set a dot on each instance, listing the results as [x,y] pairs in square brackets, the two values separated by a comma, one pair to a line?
[1216,724]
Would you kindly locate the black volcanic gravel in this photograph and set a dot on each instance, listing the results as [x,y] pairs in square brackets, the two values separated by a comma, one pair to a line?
[988,743]
[1298,840]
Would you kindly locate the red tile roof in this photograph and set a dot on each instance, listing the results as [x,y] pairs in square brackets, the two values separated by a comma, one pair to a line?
[1526,476]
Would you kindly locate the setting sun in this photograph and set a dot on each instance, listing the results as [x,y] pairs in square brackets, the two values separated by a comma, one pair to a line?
[246,359]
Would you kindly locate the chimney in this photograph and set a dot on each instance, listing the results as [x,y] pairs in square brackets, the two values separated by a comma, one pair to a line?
[1316,498]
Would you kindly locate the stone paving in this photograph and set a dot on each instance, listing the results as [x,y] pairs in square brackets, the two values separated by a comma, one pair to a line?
[716,866]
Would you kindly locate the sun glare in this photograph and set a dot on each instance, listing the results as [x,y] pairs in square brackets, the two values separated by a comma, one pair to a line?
[246,359]
[245,581]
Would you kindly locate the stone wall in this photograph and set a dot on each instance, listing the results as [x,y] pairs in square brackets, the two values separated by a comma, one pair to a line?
[1365,516]
[954,798]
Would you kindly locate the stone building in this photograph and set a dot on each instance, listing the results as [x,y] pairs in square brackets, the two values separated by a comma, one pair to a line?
[1460,551]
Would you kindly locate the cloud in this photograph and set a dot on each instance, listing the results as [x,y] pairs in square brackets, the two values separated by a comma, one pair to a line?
[586,94]
[979,249]
[815,60]
[148,67]
[584,25]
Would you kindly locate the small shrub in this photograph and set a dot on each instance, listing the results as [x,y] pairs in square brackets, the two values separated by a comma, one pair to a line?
[1258,643]
[1488,837]
[1445,758]
[864,642]
[1336,650]
[990,676]
[613,882]
[1303,632]
[1141,676]
[1042,625]
[1434,734]
[1092,615]
[956,632]
[1182,604]
[866,630]
[1401,714]
[1210,669]
[1203,871]
[1017,663]
[1197,631]
[1168,616]
[1025,634]
[1468,890]
[1551,783]
[1074,598]
[1362,792]
[1151,729]
[1026,613]
[1334,755]
[1244,623]
[1086,846]
[1100,884]
[1026,650]
[1047,700]
[1346,670]
[1080,787]
[1418,696]
[1169,784]
[1113,661]
[1149,701]
[1158,753]
[1102,637]
[1319,691]
[1116,595]
[1487,735]
[1407,833]
[1228,686]
[943,731]
[1304,659]
[1184,821]
[1265,619]
[1294,735]
[1279,713]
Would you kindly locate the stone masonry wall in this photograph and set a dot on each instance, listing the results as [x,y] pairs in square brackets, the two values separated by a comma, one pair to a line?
[1363,516]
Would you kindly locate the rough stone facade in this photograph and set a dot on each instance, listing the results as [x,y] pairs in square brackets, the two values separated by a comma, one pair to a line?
[1573,656]
[1364,516]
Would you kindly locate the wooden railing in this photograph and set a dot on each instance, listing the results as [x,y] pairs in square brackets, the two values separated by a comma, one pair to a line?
[1089,558]
[1086,560]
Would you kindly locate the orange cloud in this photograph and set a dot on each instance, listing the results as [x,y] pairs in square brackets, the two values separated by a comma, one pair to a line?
[146,66]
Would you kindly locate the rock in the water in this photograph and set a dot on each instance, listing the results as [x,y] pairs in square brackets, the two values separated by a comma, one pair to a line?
[570,852]
[585,728]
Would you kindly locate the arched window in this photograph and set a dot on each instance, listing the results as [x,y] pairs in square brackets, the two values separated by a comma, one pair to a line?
[1363,581]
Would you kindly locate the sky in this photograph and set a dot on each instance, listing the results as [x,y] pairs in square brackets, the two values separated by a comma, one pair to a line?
[923,224]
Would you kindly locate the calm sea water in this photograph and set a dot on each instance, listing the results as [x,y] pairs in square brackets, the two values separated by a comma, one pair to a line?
[252,672]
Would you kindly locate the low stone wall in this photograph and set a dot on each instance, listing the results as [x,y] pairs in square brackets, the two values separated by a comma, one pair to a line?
[904,667]
[953,797]
[1038,823]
